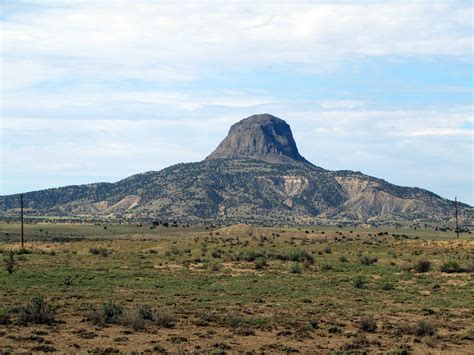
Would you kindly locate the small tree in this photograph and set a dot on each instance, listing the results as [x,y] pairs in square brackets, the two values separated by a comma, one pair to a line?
[10,262]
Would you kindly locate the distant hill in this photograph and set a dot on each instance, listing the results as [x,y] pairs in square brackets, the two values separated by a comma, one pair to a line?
[256,175]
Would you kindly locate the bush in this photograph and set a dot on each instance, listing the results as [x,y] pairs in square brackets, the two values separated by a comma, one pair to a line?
[260,263]
[110,313]
[249,256]
[327,267]
[216,253]
[368,324]
[359,282]
[137,319]
[424,327]
[295,268]
[10,262]
[133,319]
[67,281]
[328,249]
[451,267]
[159,349]
[100,251]
[306,257]
[203,249]
[164,318]
[387,286]
[145,312]
[215,266]
[292,255]
[343,259]
[37,311]
[297,255]
[4,317]
[234,321]
[366,260]
[423,266]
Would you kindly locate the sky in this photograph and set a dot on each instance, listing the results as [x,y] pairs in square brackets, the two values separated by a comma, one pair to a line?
[96,91]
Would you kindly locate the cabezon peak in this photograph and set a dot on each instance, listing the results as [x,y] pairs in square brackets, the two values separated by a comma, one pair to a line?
[263,137]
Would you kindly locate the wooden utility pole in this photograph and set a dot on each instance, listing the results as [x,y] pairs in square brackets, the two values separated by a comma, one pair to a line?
[456,210]
[22,230]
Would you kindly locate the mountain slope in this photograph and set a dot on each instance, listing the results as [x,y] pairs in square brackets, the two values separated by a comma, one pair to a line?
[255,175]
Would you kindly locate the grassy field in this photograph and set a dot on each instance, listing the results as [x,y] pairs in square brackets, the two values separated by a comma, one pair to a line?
[236,289]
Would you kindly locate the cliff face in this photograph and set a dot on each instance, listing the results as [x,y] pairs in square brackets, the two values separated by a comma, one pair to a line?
[255,175]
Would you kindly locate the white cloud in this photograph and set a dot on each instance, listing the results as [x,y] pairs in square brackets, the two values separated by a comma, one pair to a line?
[442,132]
[341,104]
[180,41]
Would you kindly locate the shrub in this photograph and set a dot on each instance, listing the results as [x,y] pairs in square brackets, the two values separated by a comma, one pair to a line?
[328,249]
[423,266]
[10,262]
[164,318]
[260,263]
[292,255]
[215,266]
[343,259]
[203,319]
[159,349]
[327,267]
[100,251]
[133,319]
[297,255]
[175,250]
[368,324]
[424,327]
[366,260]
[216,253]
[451,267]
[306,257]
[387,286]
[110,313]
[67,281]
[249,256]
[233,321]
[145,312]
[203,249]
[37,311]
[359,282]
[4,317]
[295,268]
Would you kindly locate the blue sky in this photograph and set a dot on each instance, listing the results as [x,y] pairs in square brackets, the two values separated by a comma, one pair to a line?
[100,90]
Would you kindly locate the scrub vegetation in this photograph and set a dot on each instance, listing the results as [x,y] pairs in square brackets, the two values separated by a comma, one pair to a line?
[140,287]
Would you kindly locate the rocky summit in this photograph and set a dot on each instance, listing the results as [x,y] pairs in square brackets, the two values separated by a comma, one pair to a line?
[256,175]
[263,137]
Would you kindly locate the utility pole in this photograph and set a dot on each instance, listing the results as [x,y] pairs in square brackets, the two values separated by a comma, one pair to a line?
[457,223]
[22,230]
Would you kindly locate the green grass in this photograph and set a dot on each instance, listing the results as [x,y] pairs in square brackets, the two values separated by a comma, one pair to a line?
[182,281]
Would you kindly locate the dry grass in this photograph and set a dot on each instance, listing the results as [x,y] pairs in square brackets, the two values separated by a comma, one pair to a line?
[276,291]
